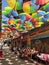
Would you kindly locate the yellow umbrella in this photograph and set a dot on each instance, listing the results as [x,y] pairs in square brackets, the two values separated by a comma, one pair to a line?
[26,8]
[17,26]
[47,20]
[38,24]
[11,21]
[11,3]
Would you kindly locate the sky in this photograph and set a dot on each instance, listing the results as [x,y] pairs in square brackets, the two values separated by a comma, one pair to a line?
[4,4]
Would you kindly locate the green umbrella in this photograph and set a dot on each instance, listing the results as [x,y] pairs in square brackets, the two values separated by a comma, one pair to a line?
[21,26]
[8,9]
[32,9]
[29,23]
[35,15]
[4,12]
[18,6]
[16,21]
[22,14]
[45,6]
[40,19]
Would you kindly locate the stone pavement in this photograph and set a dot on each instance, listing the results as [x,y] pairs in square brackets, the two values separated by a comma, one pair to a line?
[9,58]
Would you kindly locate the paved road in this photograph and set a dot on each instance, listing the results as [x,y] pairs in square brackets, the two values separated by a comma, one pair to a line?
[10,58]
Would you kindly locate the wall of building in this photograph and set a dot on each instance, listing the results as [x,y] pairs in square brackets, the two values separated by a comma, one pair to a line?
[41,45]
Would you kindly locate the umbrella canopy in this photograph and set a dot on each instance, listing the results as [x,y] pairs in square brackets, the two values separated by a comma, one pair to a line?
[7,29]
[11,3]
[41,2]
[12,28]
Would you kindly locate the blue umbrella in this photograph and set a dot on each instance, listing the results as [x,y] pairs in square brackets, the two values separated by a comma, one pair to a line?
[14,13]
[33,1]
[46,16]
[35,6]
[22,16]
[5,19]
[44,19]
[41,13]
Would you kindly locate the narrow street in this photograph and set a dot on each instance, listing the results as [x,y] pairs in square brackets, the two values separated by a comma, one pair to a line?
[9,58]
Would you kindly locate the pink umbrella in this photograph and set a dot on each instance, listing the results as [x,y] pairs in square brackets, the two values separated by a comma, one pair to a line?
[41,2]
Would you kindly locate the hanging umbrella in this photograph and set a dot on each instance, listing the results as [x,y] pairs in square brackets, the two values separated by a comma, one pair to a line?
[33,1]
[41,2]
[16,21]
[11,21]
[41,13]
[11,3]
[4,19]
[18,6]
[14,13]
[27,8]
[46,7]
[12,28]
[4,12]
[8,9]
[28,17]
[1,33]
[7,29]
[35,15]
[22,16]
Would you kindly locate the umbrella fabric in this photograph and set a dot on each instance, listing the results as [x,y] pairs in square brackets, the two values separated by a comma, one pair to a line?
[14,13]
[35,6]
[11,3]
[46,7]
[12,28]
[41,13]
[41,2]
[33,1]
[7,29]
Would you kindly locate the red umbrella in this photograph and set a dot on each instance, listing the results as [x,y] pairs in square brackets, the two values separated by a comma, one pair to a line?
[1,34]
[12,28]
[41,2]
[27,17]
[7,29]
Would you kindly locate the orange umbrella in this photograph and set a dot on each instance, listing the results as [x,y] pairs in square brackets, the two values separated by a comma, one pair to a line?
[41,2]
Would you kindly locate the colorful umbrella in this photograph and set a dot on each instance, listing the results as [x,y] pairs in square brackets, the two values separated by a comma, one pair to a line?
[14,13]
[27,8]
[18,6]
[11,21]
[4,12]
[35,15]
[16,21]
[46,7]
[41,13]
[41,2]
[12,28]
[22,16]
[8,9]
[7,29]
[28,17]
[11,3]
